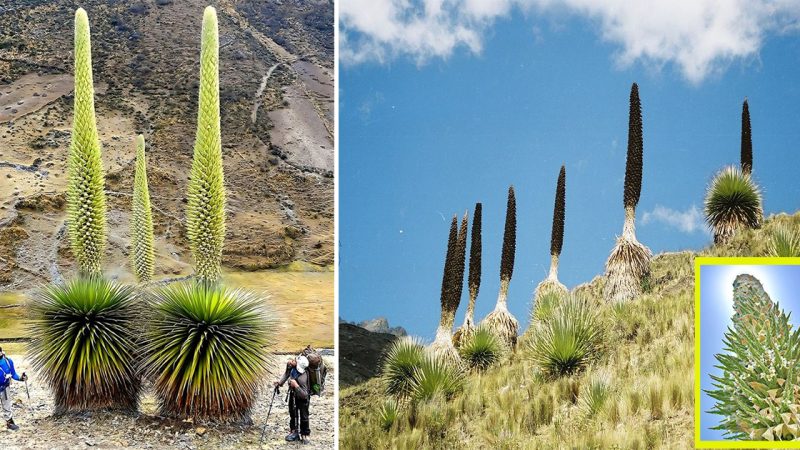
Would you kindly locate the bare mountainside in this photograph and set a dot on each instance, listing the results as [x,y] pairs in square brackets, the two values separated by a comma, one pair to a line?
[276,86]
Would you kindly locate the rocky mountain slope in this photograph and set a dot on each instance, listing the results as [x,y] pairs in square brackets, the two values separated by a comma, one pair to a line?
[277,120]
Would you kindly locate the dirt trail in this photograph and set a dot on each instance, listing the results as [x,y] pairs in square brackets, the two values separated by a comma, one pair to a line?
[39,429]
[260,92]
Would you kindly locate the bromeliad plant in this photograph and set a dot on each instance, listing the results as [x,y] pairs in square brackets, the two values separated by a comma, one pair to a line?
[452,285]
[481,349]
[84,341]
[84,344]
[142,254]
[208,346]
[758,394]
[784,241]
[569,340]
[474,281]
[402,358]
[733,200]
[205,350]
[551,283]
[500,321]
[629,263]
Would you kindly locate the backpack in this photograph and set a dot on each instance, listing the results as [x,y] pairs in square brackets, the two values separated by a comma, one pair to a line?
[317,371]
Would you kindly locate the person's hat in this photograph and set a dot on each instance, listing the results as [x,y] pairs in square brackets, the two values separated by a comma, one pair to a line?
[302,363]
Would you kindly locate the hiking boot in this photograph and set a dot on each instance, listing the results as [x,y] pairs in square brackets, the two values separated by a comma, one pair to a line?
[11,425]
[293,436]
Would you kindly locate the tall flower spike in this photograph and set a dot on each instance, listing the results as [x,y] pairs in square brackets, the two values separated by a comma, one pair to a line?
[633,164]
[142,254]
[500,321]
[205,213]
[452,280]
[86,198]
[747,141]
[474,280]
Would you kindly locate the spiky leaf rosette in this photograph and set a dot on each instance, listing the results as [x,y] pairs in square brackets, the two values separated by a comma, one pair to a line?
[205,212]
[557,232]
[509,237]
[474,280]
[546,289]
[758,394]
[403,357]
[747,141]
[436,376]
[84,344]
[454,277]
[569,340]
[207,350]
[86,198]
[142,254]
[481,349]
[784,242]
[633,163]
[733,201]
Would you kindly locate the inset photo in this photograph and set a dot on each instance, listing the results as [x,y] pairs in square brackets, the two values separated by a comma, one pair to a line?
[746,357]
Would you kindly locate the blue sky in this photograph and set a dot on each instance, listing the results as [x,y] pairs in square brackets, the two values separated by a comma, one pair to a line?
[433,121]
[782,283]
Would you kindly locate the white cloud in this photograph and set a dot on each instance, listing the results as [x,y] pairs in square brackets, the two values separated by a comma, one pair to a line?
[699,37]
[687,221]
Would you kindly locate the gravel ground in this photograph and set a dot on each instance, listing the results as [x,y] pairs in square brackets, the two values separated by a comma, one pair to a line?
[146,430]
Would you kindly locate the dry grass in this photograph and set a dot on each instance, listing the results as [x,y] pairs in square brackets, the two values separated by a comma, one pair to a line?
[649,365]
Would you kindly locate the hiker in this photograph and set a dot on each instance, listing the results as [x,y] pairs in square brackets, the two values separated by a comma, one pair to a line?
[299,394]
[7,373]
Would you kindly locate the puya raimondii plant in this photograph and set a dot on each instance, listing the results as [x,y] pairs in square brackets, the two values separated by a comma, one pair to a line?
[86,198]
[500,321]
[474,278]
[733,200]
[758,392]
[452,287]
[142,253]
[207,346]
[629,262]
[551,283]
[84,341]
[205,212]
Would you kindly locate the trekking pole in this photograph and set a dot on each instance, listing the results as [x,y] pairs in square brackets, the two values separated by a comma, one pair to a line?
[26,389]
[269,411]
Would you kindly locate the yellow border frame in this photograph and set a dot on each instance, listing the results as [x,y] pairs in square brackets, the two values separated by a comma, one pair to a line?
[725,261]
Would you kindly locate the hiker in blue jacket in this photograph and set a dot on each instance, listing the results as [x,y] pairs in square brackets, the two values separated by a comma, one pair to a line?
[7,373]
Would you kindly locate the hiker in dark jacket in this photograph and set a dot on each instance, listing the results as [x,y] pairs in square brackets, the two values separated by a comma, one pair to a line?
[297,375]
[7,373]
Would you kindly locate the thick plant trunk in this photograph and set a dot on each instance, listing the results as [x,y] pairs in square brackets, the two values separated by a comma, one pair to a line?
[629,227]
[553,268]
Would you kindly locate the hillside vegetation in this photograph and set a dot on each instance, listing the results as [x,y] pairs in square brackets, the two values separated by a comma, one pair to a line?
[638,395]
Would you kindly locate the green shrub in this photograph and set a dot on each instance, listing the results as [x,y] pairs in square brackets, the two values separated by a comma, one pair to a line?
[435,376]
[84,344]
[481,350]
[569,341]
[399,364]
[733,202]
[207,350]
